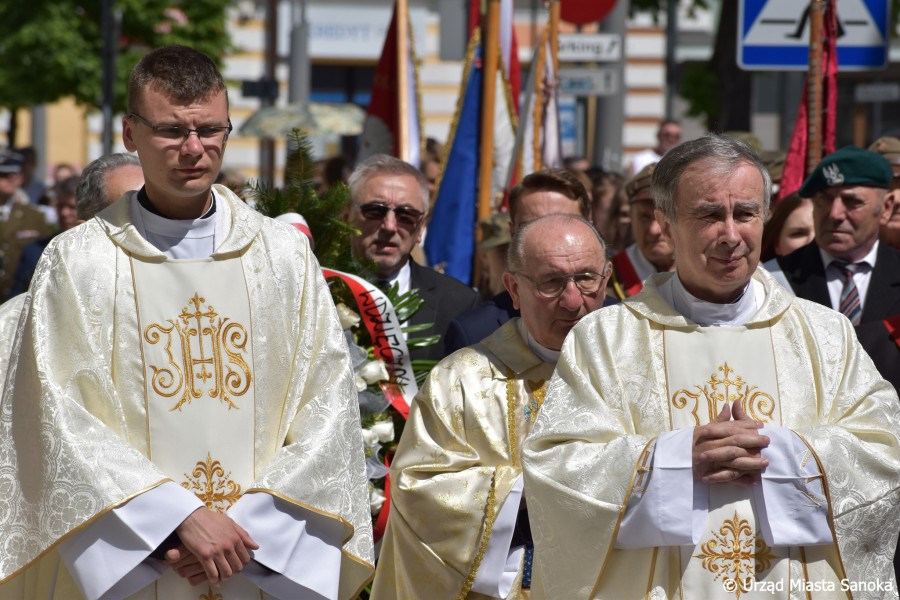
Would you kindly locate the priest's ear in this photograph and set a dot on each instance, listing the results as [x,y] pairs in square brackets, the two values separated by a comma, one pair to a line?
[512,286]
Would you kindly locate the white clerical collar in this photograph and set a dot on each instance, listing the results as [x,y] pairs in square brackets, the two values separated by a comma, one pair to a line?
[401,278]
[711,314]
[542,352]
[869,258]
[183,238]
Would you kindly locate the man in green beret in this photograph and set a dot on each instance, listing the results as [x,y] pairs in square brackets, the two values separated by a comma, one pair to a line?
[846,267]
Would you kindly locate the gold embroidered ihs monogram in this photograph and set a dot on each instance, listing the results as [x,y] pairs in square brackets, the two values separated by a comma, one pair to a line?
[212,356]
[212,485]
[735,555]
[538,391]
[759,405]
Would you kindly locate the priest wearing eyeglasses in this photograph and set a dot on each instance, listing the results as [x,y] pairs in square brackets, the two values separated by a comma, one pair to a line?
[714,436]
[458,526]
[180,418]
[390,204]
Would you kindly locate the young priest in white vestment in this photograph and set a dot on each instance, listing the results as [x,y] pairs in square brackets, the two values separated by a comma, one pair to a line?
[180,420]
[714,436]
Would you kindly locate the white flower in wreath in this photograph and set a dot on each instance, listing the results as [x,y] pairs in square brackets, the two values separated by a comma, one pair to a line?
[383,430]
[361,384]
[376,500]
[369,438]
[347,317]
[374,371]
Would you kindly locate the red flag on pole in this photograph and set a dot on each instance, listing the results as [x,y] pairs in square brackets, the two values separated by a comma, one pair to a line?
[795,164]
[382,130]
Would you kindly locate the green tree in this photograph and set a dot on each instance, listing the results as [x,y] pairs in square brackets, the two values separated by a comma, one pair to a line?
[50,49]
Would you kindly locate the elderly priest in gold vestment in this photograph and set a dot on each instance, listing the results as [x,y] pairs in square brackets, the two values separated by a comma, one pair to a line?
[714,437]
[180,418]
[457,527]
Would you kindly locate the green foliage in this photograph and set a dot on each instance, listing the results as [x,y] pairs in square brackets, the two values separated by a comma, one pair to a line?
[50,49]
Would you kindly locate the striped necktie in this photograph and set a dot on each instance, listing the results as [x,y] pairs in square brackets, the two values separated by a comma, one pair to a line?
[849,305]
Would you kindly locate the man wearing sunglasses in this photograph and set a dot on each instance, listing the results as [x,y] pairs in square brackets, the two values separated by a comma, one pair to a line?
[474,412]
[390,203]
[182,410]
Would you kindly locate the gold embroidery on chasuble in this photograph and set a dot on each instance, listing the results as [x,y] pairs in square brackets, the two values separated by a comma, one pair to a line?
[212,485]
[538,390]
[734,554]
[212,357]
[196,337]
[210,594]
[705,370]
[716,392]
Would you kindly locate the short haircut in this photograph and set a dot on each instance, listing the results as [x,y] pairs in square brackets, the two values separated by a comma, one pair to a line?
[725,154]
[550,180]
[90,197]
[183,74]
[382,164]
[515,254]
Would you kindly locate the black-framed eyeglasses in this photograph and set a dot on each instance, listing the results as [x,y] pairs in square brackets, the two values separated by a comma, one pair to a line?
[406,216]
[175,133]
[553,287]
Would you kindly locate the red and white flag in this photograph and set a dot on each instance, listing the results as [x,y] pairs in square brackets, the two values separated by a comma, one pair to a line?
[382,129]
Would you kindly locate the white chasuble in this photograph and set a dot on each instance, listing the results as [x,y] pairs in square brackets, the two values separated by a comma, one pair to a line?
[194,321]
[705,370]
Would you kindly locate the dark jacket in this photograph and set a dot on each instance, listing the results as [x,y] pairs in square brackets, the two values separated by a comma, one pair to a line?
[444,298]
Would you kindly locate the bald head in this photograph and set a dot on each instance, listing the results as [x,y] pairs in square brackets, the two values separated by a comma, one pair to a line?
[557,274]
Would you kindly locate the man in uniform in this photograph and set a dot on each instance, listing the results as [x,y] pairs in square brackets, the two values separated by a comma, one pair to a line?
[181,410]
[651,251]
[20,223]
[714,436]
[458,526]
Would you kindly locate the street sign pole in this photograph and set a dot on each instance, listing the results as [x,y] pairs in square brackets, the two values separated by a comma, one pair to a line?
[610,118]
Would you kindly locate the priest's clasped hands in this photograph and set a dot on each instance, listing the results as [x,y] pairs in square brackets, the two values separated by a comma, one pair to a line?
[728,449]
[213,548]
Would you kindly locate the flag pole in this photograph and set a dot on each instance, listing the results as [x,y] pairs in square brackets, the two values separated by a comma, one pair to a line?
[491,56]
[814,84]
[554,34]
[402,79]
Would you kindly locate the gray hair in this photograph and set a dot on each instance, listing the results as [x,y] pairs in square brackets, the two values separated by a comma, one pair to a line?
[382,164]
[726,153]
[90,197]
[515,254]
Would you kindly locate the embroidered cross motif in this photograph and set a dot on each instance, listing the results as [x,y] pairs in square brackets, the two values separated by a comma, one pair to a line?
[727,389]
[212,485]
[735,554]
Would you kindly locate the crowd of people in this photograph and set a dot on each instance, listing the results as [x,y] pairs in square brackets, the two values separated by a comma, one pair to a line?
[673,383]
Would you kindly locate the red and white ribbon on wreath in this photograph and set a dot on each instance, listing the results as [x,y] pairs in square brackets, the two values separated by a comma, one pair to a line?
[388,339]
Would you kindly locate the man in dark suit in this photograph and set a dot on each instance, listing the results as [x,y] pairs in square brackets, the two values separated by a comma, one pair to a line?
[390,201]
[846,267]
[542,193]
